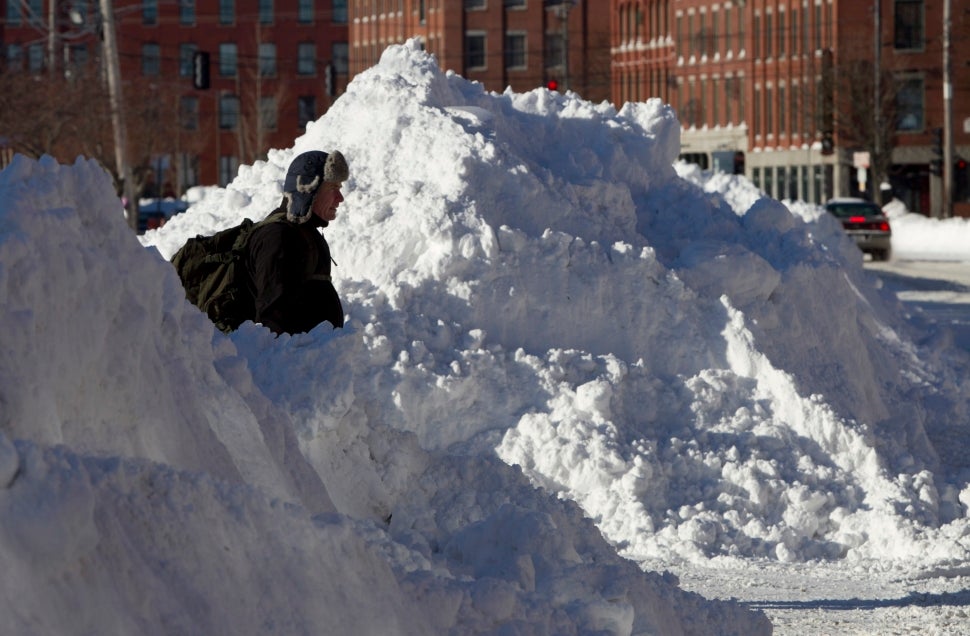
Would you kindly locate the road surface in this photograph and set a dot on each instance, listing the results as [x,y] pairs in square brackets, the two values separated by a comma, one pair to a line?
[939,290]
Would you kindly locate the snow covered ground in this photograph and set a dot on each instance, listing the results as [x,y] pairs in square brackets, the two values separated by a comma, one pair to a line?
[581,390]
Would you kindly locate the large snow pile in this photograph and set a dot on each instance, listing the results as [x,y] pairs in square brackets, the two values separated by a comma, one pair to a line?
[564,361]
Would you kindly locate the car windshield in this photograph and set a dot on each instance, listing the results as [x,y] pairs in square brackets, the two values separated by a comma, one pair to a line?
[845,210]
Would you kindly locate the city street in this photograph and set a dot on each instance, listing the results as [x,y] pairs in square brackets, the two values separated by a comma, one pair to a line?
[939,290]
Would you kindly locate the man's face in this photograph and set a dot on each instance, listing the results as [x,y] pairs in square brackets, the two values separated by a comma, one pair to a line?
[327,199]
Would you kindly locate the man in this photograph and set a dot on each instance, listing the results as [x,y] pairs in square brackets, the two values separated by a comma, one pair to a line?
[288,262]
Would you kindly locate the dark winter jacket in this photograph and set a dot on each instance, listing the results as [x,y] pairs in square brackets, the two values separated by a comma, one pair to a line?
[289,275]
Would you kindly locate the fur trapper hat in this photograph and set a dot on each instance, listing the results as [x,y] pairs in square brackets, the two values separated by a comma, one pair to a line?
[306,174]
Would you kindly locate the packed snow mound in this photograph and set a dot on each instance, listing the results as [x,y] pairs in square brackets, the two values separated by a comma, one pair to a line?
[550,327]
[705,370]
[159,477]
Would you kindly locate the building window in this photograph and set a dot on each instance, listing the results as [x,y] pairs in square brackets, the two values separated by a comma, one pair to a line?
[514,4]
[908,25]
[187,12]
[228,112]
[77,57]
[186,51]
[692,36]
[757,36]
[228,166]
[818,26]
[151,59]
[806,35]
[14,14]
[715,105]
[782,105]
[306,58]
[782,35]
[227,11]
[14,57]
[268,113]
[474,50]
[693,108]
[740,30]
[715,41]
[306,110]
[189,112]
[228,59]
[733,89]
[756,120]
[554,50]
[267,59]
[340,55]
[679,40]
[304,11]
[515,51]
[188,170]
[474,4]
[36,13]
[909,105]
[340,11]
[265,11]
[149,12]
[35,58]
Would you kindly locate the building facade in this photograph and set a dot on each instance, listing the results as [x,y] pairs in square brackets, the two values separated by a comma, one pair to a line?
[522,44]
[267,68]
[785,91]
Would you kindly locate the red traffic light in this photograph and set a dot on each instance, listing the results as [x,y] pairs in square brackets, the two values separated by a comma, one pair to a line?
[961,164]
[552,85]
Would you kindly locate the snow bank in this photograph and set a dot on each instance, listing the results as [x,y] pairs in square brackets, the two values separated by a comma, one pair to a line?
[539,305]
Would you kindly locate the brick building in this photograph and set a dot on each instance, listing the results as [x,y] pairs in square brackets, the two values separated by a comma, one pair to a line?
[273,66]
[500,43]
[784,90]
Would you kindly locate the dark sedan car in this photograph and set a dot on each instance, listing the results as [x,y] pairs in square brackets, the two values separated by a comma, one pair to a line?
[865,222]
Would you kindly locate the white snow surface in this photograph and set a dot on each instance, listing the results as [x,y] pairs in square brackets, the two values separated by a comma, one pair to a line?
[570,368]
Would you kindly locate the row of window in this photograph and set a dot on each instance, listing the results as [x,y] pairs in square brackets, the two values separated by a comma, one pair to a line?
[228,59]
[783,109]
[802,183]
[483,4]
[32,12]
[514,52]
[721,31]
[229,111]
[305,12]
[151,58]
[14,56]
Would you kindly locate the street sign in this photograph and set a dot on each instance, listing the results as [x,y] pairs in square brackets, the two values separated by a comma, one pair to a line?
[860,159]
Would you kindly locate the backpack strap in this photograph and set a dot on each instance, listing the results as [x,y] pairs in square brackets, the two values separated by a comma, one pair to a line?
[313,255]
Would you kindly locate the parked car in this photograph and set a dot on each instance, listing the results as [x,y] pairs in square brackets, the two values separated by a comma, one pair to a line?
[154,213]
[865,222]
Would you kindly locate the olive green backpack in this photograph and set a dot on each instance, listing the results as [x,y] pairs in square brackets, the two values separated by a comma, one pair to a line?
[212,270]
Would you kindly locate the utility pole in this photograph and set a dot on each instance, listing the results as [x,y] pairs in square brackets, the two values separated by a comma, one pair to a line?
[113,68]
[52,36]
[877,161]
[947,117]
